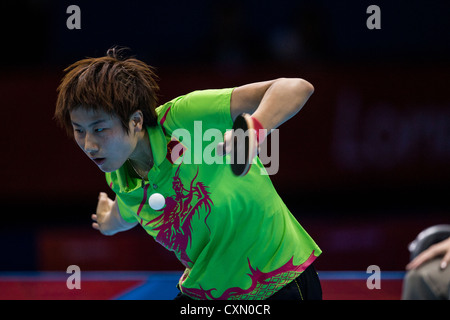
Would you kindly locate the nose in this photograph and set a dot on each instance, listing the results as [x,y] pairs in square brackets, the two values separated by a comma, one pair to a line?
[90,144]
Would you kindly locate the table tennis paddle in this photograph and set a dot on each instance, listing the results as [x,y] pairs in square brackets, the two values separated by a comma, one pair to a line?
[244,143]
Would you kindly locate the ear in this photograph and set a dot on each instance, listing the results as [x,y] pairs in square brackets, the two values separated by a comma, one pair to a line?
[137,121]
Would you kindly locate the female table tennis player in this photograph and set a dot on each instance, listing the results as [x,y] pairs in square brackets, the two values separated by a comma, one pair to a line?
[234,235]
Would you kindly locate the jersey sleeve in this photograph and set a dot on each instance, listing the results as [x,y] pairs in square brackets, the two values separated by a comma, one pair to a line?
[210,107]
[125,211]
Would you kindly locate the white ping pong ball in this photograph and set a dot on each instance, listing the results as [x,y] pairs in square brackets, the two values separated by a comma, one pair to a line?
[156,201]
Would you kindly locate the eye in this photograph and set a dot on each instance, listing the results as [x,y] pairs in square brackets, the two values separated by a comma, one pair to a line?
[99,129]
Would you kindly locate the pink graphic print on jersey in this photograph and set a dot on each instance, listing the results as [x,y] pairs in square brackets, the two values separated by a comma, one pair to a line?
[257,276]
[174,225]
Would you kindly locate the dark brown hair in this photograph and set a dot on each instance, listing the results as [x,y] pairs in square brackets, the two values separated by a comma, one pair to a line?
[117,85]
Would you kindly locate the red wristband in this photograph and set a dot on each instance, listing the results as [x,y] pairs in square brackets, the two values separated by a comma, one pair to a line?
[260,131]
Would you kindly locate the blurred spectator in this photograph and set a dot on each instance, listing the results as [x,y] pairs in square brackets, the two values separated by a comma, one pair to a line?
[428,276]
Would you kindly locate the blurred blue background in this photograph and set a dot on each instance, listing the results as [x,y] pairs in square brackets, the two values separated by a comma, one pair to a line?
[364,166]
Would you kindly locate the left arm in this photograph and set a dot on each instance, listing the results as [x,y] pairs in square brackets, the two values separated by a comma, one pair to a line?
[271,102]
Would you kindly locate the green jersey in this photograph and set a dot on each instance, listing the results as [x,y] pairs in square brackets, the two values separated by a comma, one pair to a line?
[234,235]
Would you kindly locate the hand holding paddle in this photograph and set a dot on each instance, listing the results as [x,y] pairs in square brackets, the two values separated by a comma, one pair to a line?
[242,143]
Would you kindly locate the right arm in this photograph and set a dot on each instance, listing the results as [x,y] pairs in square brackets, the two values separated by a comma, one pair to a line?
[107,218]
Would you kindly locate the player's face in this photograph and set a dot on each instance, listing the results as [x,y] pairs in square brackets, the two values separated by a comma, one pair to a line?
[102,137]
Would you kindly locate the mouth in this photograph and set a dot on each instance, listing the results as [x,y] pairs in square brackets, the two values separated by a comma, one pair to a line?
[99,161]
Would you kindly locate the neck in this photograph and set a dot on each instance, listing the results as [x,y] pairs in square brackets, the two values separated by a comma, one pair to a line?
[142,157]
